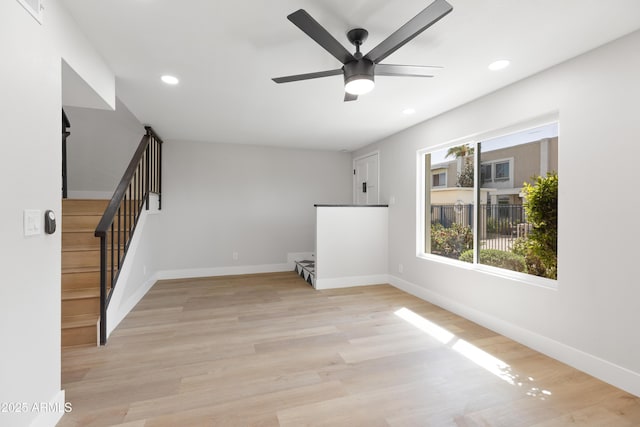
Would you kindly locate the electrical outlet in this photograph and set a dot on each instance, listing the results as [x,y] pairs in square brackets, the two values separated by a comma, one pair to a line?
[235,256]
[400,268]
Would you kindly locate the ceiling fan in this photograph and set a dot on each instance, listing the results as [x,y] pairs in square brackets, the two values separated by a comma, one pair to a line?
[358,69]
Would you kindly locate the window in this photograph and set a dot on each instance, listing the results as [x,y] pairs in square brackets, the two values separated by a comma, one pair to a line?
[502,171]
[495,171]
[511,216]
[485,173]
[449,210]
[439,179]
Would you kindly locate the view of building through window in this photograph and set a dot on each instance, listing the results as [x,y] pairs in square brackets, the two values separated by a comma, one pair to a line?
[514,208]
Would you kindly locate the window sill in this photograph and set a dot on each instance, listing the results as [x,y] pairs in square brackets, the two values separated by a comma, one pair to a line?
[526,279]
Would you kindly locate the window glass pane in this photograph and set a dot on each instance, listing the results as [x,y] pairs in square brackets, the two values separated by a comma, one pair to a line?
[439,179]
[502,170]
[449,209]
[485,172]
[517,227]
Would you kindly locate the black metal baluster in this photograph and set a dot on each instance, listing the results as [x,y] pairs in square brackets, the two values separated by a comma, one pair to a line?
[159,176]
[103,290]
[112,250]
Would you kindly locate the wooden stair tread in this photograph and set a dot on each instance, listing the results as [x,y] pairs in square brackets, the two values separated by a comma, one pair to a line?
[84,206]
[79,321]
[81,249]
[72,270]
[96,214]
[85,248]
[80,293]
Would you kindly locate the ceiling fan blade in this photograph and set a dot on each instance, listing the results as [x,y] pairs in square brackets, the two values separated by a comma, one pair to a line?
[308,76]
[429,16]
[313,29]
[405,70]
[349,97]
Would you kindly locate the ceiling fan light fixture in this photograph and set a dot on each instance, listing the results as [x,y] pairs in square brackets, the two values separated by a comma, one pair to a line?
[358,77]
[357,68]
[359,85]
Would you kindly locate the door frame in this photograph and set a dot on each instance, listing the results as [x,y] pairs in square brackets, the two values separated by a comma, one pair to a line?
[354,185]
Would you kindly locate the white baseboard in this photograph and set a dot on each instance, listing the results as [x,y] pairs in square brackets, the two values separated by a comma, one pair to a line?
[222,271]
[52,414]
[348,282]
[602,369]
[101,195]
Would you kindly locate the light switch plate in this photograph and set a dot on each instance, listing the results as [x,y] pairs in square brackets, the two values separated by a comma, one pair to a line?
[32,222]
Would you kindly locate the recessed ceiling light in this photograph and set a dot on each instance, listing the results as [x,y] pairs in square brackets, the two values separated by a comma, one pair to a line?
[170,80]
[499,65]
[408,111]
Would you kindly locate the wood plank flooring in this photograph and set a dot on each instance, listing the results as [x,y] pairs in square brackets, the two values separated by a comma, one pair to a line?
[268,350]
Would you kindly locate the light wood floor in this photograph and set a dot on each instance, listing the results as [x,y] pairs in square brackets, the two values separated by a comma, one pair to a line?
[268,350]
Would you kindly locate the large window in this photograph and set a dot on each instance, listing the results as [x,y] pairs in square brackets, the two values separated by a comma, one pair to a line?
[505,219]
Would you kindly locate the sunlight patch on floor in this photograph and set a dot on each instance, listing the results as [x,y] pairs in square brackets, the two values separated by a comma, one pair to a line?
[490,363]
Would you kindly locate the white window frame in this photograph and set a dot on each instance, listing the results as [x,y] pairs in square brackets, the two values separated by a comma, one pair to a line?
[421,222]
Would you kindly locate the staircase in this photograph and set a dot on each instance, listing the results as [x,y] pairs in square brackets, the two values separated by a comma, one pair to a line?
[80,271]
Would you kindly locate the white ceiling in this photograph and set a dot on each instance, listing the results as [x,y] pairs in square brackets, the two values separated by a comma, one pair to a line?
[225,53]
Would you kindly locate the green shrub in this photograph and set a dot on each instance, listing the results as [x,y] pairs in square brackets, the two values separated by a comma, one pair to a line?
[450,241]
[497,258]
[535,265]
[541,207]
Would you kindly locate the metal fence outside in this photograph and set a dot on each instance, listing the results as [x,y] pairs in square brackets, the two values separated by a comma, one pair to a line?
[499,225]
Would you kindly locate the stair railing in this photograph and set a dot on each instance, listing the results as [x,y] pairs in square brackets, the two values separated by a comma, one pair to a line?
[115,230]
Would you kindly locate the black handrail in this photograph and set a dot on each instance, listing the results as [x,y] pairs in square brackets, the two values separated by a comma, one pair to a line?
[118,223]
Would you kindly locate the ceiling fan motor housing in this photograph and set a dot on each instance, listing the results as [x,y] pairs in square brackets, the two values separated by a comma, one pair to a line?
[357,70]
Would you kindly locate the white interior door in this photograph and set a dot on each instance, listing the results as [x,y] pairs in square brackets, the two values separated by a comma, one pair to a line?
[366,180]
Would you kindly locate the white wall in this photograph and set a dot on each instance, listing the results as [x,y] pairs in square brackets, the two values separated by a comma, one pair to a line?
[351,246]
[30,108]
[140,269]
[590,320]
[99,149]
[256,201]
